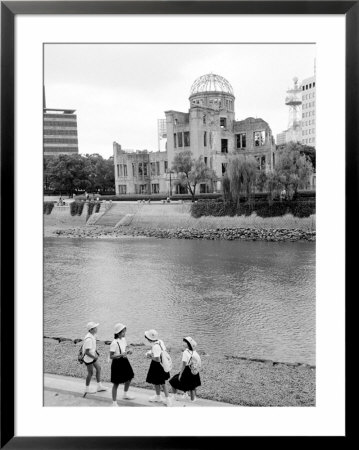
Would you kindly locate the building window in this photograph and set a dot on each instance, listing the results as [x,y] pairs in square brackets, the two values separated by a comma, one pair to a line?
[153,169]
[140,170]
[166,166]
[204,119]
[224,145]
[186,139]
[205,139]
[122,189]
[180,143]
[175,140]
[223,122]
[241,140]
[259,138]
[210,139]
[145,169]
[205,160]
[224,168]
[143,189]
[134,169]
[158,167]
[155,188]
[118,170]
[203,188]
[125,170]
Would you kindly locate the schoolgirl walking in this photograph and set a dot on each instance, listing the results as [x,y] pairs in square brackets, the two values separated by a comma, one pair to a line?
[156,374]
[121,370]
[188,378]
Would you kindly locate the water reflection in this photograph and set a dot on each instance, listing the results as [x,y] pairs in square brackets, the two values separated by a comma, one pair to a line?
[253,299]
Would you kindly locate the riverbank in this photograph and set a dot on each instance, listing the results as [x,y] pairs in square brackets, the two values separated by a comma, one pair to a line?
[249,234]
[229,379]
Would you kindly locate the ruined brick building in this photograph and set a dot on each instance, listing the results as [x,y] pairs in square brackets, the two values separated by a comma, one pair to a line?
[209,130]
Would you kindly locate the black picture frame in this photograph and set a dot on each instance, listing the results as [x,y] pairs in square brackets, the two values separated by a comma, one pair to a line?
[9,10]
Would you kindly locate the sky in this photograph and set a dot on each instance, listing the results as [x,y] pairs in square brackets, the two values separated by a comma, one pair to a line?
[120,90]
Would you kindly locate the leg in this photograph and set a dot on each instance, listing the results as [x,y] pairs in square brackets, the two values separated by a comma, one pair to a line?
[98,371]
[193,394]
[89,374]
[114,391]
[126,386]
[165,389]
[158,389]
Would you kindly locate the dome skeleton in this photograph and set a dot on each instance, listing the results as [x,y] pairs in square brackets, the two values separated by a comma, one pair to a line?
[211,83]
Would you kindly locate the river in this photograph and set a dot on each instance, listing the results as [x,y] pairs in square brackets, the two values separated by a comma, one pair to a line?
[236,298]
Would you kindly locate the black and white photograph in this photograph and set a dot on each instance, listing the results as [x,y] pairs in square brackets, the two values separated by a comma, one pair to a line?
[179,225]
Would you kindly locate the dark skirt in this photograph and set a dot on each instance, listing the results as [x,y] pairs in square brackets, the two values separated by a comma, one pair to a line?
[121,371]
[188,381]
[156,374]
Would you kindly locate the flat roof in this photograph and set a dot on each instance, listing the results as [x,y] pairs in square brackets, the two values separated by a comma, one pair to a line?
[65,111]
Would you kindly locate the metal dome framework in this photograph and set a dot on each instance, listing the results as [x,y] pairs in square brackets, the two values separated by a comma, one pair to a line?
[211,83]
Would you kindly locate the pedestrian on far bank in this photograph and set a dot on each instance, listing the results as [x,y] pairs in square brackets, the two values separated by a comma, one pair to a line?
[185,380]
[91,358]
[121,370]
[156,374]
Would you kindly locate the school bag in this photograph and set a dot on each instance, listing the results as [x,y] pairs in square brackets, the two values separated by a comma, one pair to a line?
[165,360]
[80,355]
[195,364]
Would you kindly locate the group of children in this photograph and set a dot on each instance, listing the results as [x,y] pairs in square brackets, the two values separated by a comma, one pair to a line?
[186,380]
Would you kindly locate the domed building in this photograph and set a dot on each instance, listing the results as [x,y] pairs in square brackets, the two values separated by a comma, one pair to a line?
[209,130]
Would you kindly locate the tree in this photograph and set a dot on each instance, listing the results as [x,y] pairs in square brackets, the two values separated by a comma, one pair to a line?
[190,172]
[292,169]
[242,173]
[77,172]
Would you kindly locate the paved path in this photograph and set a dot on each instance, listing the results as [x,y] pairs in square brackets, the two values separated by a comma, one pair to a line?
[68,391]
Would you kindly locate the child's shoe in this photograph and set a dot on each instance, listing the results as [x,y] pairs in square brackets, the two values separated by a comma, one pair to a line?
[155,399]
[114,404]
[127,396]
[88,390]
[169,401]
[101,388]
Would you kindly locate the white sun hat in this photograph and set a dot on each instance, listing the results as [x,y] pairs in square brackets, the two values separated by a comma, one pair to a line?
[119,327]
[151,335]
[191,342]
[91,325]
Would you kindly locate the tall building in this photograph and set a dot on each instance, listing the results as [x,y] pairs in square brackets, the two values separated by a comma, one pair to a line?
[60,132]
[309,111]
[209,130]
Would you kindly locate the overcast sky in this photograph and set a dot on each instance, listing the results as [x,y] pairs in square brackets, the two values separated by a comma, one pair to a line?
[120,90]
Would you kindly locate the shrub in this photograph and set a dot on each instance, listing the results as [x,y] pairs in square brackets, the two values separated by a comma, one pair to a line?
[47,208]
[76,208]
[262,209]
[90,208]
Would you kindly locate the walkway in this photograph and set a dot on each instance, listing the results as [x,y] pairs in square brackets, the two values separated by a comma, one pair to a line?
[68,391]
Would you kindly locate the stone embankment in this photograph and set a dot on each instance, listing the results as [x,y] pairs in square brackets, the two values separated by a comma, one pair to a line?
[248,234]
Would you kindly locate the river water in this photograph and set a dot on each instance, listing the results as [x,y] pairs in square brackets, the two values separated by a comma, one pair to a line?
[238,298]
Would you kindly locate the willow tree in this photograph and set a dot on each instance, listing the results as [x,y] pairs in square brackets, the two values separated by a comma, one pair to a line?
[242,173]
[191,171]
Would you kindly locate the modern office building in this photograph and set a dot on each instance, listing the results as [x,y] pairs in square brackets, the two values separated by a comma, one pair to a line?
[309,111]
[209,130]
[60,132]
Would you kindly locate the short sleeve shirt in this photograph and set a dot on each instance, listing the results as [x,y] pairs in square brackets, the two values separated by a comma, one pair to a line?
[156,348]
[187,354]
[90,344]
[114,347]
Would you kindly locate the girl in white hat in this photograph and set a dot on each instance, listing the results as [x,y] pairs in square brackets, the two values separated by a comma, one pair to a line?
[121,370]
[90,358]
[185,380]
[156,374]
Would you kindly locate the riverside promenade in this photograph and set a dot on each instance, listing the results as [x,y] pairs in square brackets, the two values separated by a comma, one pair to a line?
[60,390]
